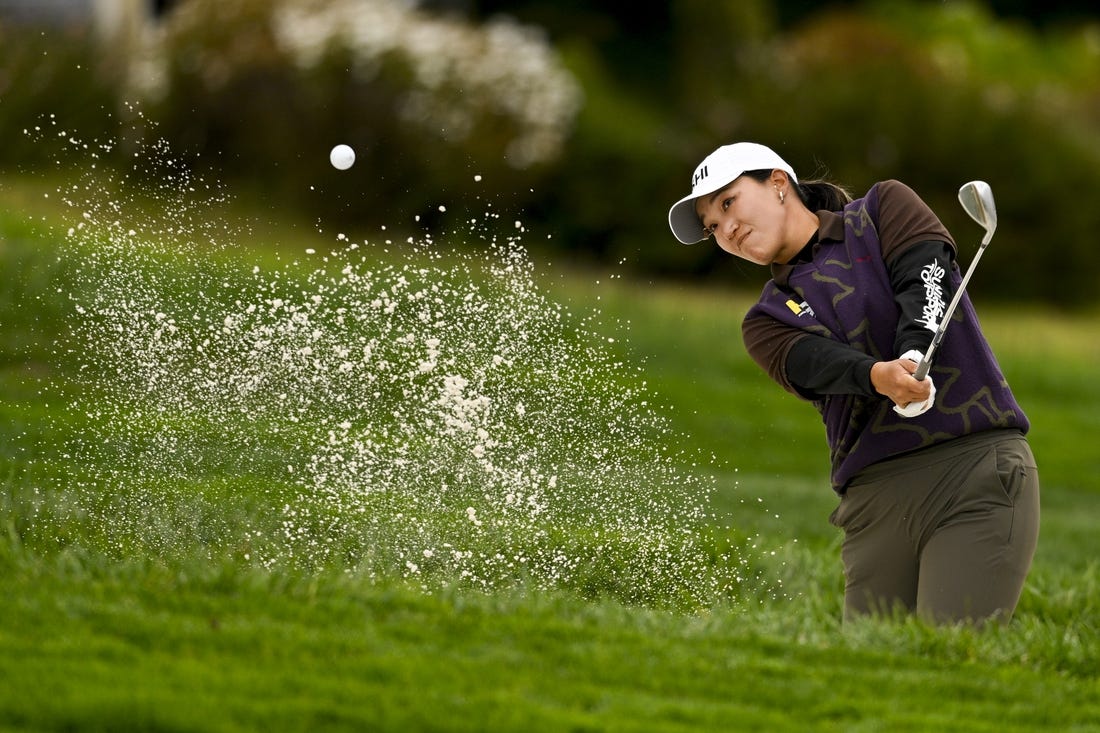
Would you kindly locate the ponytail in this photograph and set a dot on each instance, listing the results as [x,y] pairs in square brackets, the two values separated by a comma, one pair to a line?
[822,195]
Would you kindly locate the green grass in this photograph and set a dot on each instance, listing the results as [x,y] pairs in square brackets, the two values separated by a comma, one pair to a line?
[99,635]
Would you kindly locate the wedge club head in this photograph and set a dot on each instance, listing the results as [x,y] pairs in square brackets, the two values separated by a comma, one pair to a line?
[976,198]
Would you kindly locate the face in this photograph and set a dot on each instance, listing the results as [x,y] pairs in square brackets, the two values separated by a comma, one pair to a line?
[748,219]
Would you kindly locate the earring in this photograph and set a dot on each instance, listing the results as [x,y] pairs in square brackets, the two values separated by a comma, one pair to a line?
[781,195]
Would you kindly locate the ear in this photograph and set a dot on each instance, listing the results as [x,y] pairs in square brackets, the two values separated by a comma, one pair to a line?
[779,178]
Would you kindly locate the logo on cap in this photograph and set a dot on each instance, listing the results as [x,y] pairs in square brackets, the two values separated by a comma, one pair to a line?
[700,174]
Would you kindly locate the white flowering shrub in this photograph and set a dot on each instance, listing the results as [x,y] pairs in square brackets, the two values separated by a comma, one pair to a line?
[270,85]
[459,73]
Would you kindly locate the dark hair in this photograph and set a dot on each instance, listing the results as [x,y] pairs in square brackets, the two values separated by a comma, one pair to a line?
[816,195]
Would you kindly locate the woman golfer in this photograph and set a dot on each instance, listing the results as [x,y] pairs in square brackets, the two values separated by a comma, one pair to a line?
[939,493]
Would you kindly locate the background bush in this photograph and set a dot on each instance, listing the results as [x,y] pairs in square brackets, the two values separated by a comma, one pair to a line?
[590,128]
[429,103]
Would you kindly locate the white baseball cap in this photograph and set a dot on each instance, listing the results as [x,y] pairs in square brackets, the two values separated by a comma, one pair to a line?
[717,171]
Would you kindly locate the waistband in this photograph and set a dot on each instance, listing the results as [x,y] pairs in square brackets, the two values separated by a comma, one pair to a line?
[919,459]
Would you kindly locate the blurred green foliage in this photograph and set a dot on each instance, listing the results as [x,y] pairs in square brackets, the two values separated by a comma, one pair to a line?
[934,94]
[56,74]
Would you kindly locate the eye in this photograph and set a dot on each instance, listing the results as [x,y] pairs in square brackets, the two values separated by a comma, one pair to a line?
[726,203]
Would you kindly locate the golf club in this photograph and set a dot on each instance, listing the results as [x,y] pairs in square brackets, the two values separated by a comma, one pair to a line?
[977,199]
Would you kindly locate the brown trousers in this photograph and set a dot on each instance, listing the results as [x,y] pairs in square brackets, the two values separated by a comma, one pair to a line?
[947,531]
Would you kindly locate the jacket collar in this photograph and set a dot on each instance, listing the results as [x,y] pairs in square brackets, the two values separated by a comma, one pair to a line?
[830,229]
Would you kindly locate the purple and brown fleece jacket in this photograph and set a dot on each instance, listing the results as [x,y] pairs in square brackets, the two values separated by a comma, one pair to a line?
[848,302]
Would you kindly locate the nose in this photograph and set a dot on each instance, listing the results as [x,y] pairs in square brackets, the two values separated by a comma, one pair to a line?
[717,223]
[725,229]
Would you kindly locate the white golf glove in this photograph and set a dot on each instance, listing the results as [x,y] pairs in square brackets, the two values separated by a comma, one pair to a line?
[917,408]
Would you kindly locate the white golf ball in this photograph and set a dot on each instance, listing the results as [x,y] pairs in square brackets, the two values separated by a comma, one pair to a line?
[342,157]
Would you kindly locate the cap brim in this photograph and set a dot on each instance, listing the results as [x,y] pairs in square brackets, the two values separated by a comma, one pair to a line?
[684,222]
[682,218]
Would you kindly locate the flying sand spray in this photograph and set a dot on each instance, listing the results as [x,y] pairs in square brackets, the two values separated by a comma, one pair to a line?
[392,409]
